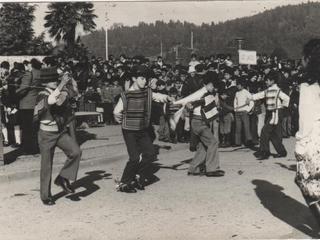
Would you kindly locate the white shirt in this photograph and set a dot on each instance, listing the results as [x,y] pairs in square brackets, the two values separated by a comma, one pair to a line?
[309,113]
[240,101]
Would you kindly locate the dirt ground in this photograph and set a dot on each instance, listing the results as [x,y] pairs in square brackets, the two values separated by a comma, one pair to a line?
[254,200]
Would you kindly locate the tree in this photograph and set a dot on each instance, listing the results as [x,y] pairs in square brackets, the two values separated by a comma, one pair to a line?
[280,53]
[16,33]
[39,46]
[63,18]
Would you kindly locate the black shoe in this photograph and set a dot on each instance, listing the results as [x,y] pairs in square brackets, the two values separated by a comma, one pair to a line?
[236,145]
[16,145]
[49,202]
[217,173]
[258,154]
[264,156]
[315,209]
[195,174]
[6,144]
[280,155]
[127,188]
[139,183]
[249,144]
[64,184]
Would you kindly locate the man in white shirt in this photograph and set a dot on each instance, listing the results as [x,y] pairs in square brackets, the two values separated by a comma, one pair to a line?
[242,109]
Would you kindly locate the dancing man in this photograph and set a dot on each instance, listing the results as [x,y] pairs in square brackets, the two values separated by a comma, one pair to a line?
[272,130]
[53,111]
[133,111]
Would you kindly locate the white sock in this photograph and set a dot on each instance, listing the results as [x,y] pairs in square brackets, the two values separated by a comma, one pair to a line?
[17,134]
[5,134]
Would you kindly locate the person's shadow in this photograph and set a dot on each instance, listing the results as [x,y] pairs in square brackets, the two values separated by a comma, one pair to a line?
[84,136]
[286,208]
[292,167]
[87,182]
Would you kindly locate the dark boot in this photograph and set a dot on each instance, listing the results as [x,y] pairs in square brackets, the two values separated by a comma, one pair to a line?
[313,205]
[315,209]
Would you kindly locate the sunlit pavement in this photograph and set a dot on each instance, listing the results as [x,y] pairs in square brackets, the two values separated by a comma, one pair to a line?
[255,199]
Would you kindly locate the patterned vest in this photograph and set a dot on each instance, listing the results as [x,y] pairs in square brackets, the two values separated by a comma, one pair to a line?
[136,109]
[59,115]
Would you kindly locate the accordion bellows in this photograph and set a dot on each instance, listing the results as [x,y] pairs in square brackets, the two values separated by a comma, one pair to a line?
[136,109]
[49,74]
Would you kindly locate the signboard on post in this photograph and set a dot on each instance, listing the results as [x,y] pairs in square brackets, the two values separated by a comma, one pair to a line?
[247,57]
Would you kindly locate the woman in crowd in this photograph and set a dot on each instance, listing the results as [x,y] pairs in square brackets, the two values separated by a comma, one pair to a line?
[308,144]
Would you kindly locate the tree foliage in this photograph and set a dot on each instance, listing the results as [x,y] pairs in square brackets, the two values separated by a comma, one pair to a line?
[16,32]
[281,30]
[63,18]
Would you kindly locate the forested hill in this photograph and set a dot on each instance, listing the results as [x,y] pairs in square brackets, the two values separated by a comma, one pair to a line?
[286,28]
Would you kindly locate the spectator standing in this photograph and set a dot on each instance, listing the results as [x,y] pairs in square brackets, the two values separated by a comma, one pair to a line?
[27,94]
[242,110]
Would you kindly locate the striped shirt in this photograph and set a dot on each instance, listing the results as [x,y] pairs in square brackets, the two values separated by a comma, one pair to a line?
[275,98]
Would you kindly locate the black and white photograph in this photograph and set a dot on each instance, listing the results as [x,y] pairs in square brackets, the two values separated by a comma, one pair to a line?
[160,120]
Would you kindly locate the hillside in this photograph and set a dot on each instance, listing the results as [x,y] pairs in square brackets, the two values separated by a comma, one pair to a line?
[287,28]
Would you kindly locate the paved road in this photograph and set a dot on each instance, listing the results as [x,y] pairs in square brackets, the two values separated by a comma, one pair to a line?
[255,200]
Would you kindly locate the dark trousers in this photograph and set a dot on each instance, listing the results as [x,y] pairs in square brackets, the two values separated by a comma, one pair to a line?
[254,127]
[48,141]
[164,129]
[138,143]
[107,112]
[242,119]
[29,140]
[286,126]
[273,133]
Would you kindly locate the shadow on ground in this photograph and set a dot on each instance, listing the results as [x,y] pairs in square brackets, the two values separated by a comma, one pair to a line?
[286,208]
[291,167]
[176,165]
[88,183]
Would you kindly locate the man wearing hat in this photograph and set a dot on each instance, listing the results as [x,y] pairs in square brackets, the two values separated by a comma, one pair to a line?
[53,112]
[133,111]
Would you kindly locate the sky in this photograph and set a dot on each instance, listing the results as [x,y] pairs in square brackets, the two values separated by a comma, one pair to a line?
[132,12]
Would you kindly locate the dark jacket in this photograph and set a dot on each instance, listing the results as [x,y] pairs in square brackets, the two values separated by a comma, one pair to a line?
[28,91]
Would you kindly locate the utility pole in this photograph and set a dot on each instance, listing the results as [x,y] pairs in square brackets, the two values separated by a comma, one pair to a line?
[106,22]
[191,44]
[161,49]
[177,51]
[240,41]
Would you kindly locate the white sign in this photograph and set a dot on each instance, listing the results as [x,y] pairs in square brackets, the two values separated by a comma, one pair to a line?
[247,57]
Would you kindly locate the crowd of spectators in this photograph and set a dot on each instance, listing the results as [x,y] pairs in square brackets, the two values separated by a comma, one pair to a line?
[100,83]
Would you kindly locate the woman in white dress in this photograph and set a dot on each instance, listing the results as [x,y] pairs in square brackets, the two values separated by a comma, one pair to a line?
[307,150]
